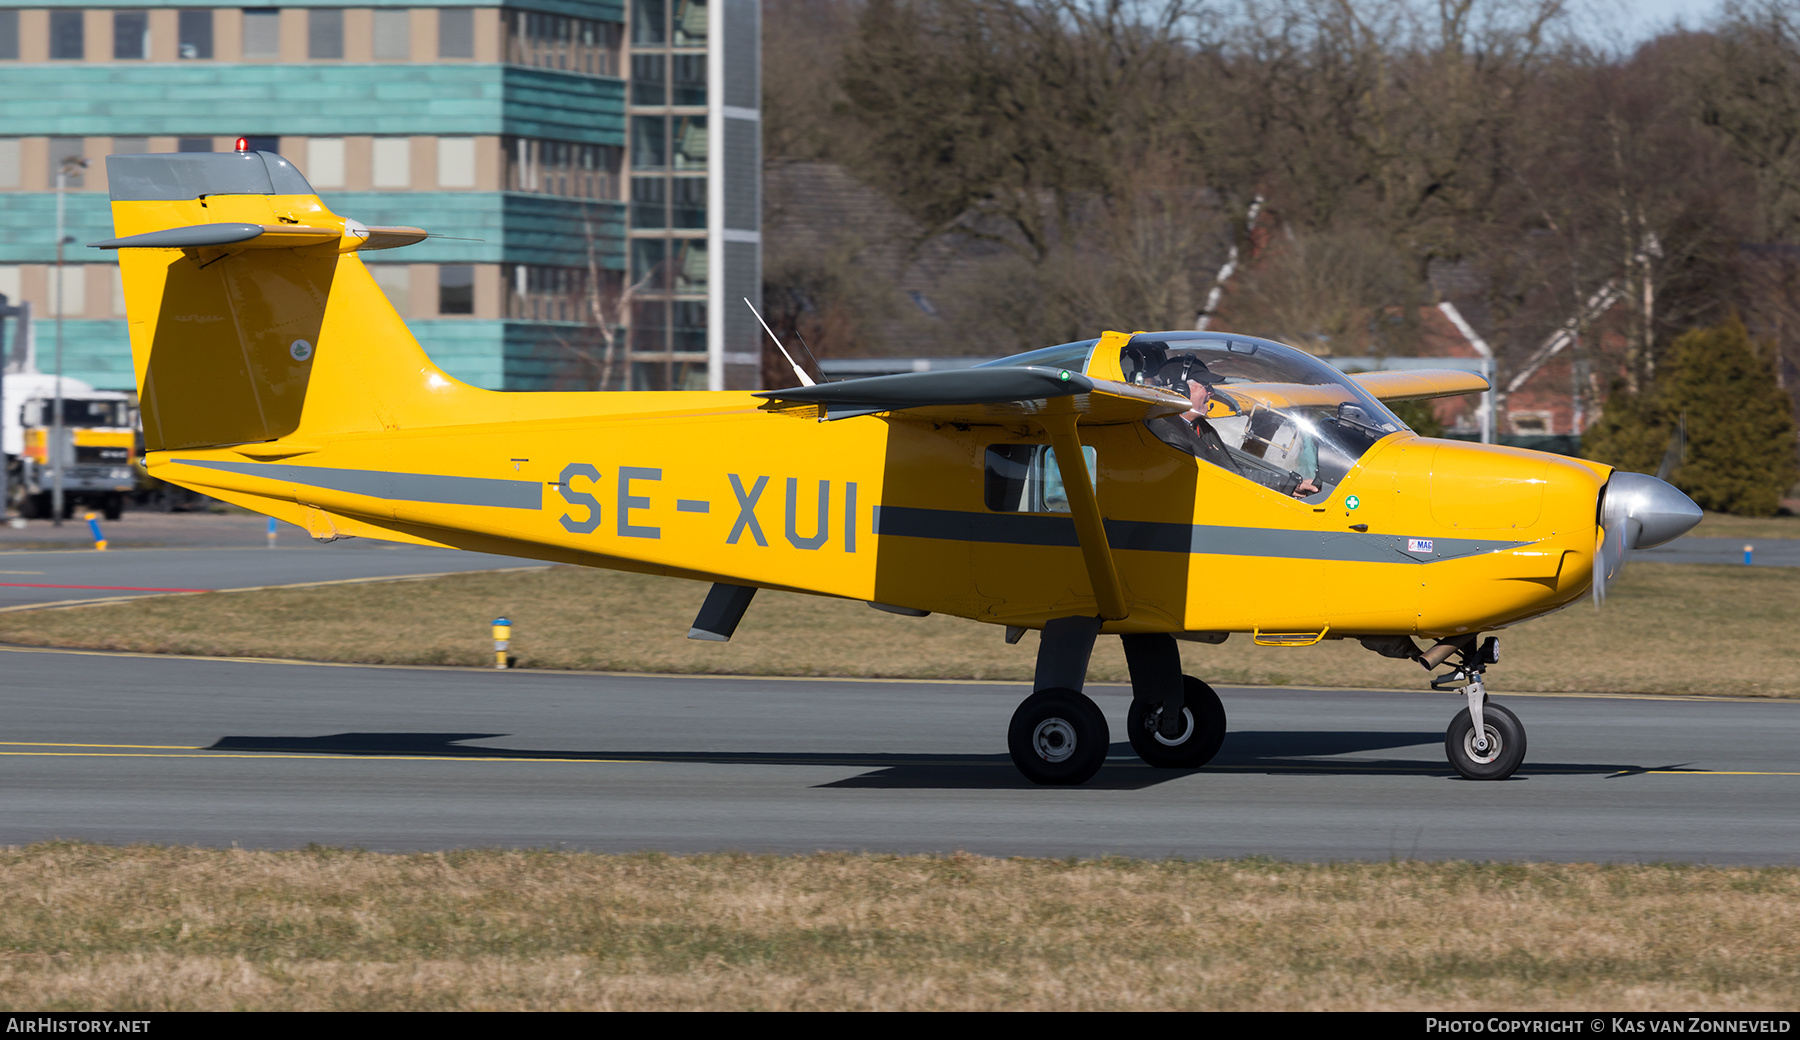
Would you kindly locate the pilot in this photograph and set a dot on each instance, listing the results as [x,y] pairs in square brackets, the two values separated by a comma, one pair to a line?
[1191,433]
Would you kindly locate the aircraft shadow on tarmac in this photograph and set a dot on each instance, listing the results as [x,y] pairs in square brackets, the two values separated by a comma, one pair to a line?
[1299,752]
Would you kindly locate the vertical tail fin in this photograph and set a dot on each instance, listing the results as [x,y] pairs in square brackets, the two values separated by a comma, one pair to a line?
[251,316]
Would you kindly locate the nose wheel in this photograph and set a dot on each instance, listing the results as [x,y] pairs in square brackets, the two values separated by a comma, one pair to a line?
[1504,744]
[1485,741]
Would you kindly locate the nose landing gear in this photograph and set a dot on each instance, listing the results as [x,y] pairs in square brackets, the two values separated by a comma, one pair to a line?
[1485,741]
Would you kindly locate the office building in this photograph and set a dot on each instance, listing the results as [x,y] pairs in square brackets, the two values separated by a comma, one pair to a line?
[590,169]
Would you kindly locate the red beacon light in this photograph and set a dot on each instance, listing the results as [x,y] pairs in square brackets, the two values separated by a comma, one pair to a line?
[243,144]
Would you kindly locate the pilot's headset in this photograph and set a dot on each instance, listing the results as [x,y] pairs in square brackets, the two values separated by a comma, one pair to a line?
[1174,375]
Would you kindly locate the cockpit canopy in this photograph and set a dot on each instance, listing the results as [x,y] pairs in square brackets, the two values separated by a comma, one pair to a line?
[1271,405]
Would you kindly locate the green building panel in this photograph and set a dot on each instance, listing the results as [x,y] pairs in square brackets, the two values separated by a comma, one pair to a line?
[28,227]
[60,99]
[493,355]
[493,227]
[476,227]
[96,352]
[597,10]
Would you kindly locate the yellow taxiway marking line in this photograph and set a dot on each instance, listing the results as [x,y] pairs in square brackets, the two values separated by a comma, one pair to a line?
[1719,772]
[21,572]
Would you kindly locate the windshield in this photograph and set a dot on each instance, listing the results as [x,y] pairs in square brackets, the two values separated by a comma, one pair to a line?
[1275,409]
[80,412]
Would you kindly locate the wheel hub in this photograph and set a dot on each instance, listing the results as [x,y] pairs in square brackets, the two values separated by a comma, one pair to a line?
[1485,755]
[1154,724]
[1053,740]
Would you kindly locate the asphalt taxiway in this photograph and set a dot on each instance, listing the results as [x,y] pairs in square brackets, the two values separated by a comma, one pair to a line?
[137,748]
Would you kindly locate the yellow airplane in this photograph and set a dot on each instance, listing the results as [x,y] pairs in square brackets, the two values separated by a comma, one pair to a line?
[1061,490]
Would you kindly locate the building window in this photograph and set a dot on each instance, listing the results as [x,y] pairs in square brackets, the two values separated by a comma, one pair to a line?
[649,202]
[131,35]
[648,270]
[195,30]
[1529,423]
[395,281]
[689,24]
[551,41]
[649,142]
[456,162]
[647,22]
[65,149]
[690,79]
[9,162]
[584,171]
[130,145]
[687,332]
[688,264]
[262,144]
[67,40]
[393,35]
[688,202]
[649,79]
[456,32]
[687,135]
[9,34]
[325,162]
[325,33]
[535,293]
[456,289]
[262,32]
[73,299]
[393,162]
[193,144]
[117,284]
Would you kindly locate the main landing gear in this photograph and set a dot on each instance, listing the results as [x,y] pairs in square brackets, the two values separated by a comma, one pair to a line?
[1060,736]
[1485,741]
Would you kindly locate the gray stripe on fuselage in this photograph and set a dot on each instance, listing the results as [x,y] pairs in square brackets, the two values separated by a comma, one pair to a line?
[399,487]
[1152,536]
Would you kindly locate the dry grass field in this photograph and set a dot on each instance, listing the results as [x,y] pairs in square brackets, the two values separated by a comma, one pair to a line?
[1667,628]
[139,929]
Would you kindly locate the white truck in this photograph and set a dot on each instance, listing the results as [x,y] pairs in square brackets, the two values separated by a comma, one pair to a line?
[98,447]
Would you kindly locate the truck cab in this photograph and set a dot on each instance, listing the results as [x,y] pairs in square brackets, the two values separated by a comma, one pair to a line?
[97,446]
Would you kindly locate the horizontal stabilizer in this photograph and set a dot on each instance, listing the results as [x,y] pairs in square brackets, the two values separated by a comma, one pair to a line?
[267,236]
[1420,384]
[983,395]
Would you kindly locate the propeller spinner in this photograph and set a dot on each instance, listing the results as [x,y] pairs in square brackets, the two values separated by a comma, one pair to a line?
[1637,511]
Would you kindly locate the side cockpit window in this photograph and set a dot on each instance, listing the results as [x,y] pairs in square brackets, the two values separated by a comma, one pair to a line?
[1024,478]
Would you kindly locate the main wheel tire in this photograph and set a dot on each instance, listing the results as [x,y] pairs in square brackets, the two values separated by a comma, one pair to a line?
[1506,744]
[1201,737]
[1058,737]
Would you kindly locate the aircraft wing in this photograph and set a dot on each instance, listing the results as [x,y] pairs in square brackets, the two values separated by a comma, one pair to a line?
[1420,384]
[982,395]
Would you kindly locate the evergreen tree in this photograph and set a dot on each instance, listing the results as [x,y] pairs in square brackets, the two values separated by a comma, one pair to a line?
[1740,423]
[1631,434]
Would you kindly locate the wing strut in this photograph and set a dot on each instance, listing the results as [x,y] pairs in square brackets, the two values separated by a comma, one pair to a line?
[1084,506]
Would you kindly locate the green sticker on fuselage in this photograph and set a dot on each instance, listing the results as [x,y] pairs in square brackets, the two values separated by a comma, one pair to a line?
[1352,502]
